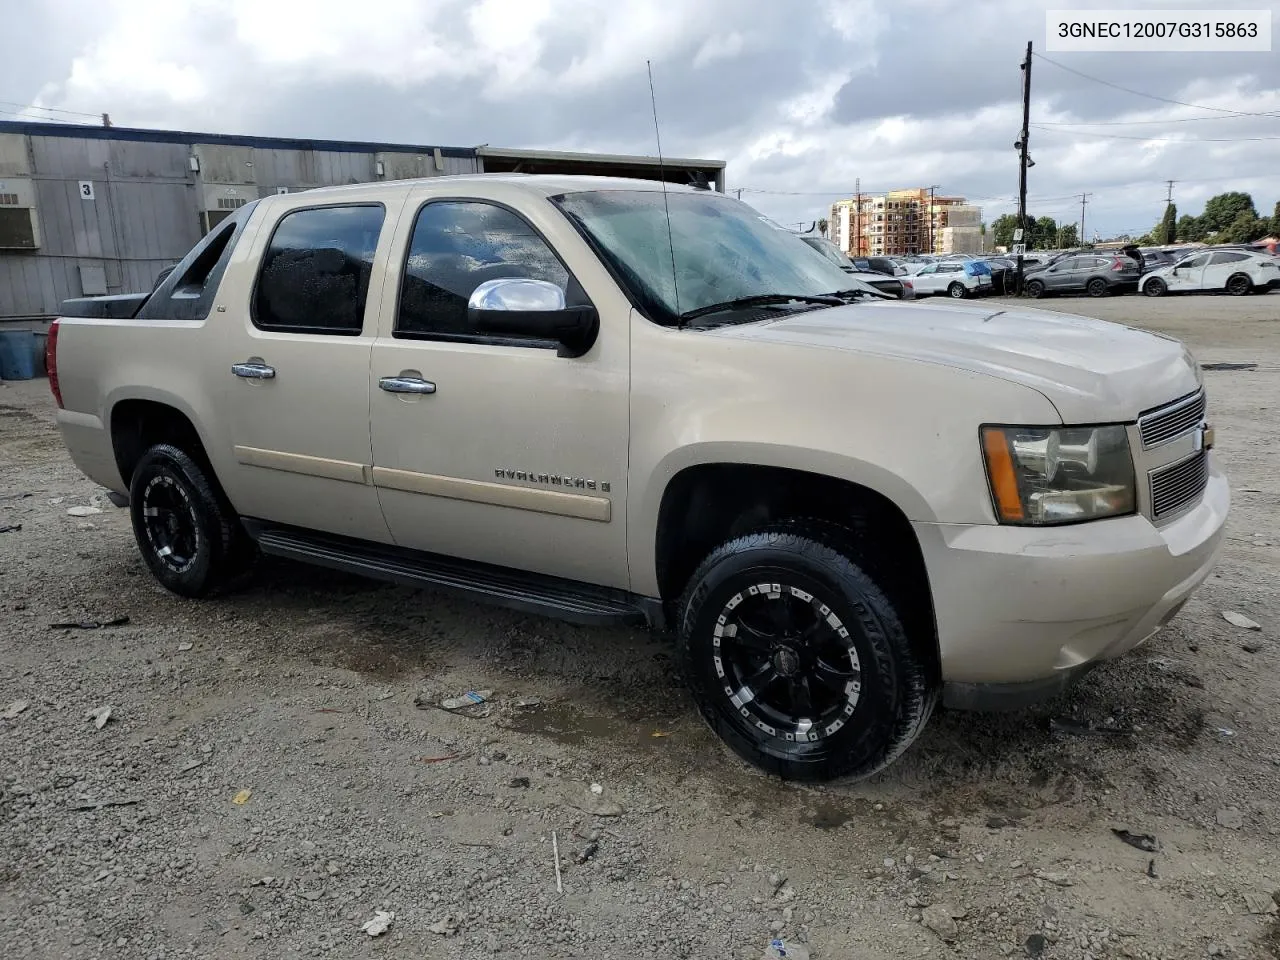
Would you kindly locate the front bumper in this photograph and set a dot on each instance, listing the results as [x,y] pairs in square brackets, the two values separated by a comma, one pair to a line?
[1030,608]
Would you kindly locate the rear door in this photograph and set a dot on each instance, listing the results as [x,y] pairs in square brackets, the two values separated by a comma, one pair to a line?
[1222,266]
[296,362]
[1189,274]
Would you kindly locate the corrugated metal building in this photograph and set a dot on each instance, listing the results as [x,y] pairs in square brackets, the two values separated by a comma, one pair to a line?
[101,210]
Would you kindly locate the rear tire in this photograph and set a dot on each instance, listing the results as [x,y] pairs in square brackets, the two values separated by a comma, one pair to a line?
[1155,287]
[188,536]
[813,680]
[1096,287]
[1035,289]
[957,291]
[1239,285]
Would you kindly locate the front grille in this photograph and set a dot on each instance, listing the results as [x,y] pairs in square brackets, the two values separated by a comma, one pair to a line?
[1176,485]
[1173,421]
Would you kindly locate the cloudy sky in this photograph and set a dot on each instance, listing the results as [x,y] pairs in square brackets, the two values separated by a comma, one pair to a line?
[801,98]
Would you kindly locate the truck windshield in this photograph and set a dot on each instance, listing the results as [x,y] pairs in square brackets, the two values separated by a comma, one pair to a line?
[724,252]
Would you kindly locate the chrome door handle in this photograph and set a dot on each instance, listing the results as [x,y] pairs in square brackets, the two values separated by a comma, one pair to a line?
[406,385]
[253,371]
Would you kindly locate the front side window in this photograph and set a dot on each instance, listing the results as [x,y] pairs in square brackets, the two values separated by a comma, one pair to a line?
[458,245]
[315,271]
[723,250]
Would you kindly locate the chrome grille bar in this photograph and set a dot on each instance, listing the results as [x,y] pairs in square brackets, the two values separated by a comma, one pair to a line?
[1176,485]
[1173,421]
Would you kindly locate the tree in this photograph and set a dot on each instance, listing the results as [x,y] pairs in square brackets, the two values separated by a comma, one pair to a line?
[1223,210]
[1275,220]
[822,226]
[1068,236]
[1046,234]
[1169,226]
[1190,229]
[1245,228]
[1004,225]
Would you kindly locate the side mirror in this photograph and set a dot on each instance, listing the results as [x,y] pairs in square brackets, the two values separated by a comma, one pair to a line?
[533,308]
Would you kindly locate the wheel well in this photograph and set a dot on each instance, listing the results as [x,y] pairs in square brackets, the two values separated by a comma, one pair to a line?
[138,425]
[706,505]
[1239,273]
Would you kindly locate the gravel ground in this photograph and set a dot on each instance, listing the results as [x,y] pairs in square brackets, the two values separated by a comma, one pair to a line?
[278,767]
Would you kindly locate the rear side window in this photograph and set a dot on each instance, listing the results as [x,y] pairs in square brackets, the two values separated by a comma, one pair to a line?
[1229,257]
[315,271]
[185,290]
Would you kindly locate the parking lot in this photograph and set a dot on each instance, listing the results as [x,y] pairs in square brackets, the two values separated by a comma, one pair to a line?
[277,765]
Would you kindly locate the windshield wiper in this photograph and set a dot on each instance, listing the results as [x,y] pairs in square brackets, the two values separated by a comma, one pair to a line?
[858,292]
[760,300]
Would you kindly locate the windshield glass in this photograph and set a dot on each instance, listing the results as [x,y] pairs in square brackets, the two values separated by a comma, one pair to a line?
[723,250]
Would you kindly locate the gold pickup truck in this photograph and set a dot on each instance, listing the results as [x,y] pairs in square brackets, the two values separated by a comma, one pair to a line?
[613,403]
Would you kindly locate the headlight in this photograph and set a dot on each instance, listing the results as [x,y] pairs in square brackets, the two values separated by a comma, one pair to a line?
[1047,475]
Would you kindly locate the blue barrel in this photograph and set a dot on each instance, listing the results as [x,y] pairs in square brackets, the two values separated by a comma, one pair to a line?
[17,354]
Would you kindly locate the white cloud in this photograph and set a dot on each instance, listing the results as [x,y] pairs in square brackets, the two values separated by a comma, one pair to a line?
[802,100]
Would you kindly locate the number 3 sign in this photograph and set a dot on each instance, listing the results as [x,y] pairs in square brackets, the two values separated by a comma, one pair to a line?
[86,189]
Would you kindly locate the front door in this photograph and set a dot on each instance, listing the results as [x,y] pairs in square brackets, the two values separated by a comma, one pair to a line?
[296,360]
[1189,274]
[497,449]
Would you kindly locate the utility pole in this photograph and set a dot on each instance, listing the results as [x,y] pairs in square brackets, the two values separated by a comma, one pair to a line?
[857,217]
[1084,198]
[1167,201]
[738,191]
[1022,162]
[106,119]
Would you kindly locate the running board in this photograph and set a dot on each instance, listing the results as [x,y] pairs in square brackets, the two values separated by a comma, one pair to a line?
[516,589]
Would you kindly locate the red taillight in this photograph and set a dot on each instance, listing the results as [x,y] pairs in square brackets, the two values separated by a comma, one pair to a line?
[51,362]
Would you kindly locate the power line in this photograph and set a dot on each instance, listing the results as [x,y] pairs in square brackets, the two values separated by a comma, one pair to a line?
[1127,123]
[73,123]
[1120,136]
[32,106]
[1152,96]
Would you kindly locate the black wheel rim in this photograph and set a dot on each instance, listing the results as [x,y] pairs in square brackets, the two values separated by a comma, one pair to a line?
[786,662]
[1155,288]
[1097,288]
[169,522]
[1239,285]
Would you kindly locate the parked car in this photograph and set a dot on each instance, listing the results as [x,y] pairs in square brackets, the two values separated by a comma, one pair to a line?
[956,278]
[1089,273]
[879,265]
[1238,272]
[501,387]
[899,287]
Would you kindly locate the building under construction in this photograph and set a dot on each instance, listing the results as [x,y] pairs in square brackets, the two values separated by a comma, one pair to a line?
[87,211]
[905,222]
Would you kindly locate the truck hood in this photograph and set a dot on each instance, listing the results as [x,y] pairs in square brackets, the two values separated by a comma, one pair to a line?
[1092,371]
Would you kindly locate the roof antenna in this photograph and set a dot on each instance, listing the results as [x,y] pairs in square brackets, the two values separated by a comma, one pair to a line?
[662,174]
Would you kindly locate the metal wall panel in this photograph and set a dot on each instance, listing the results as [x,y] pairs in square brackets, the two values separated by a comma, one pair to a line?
[13,155]
[154,220]
[219,164]
[70,226]
[151,160]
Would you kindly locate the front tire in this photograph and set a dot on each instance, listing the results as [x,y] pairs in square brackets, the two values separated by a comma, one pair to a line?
[1035,289]
[957,291]
[1096,287]
[191,541]
[798,660]
[1155,287]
